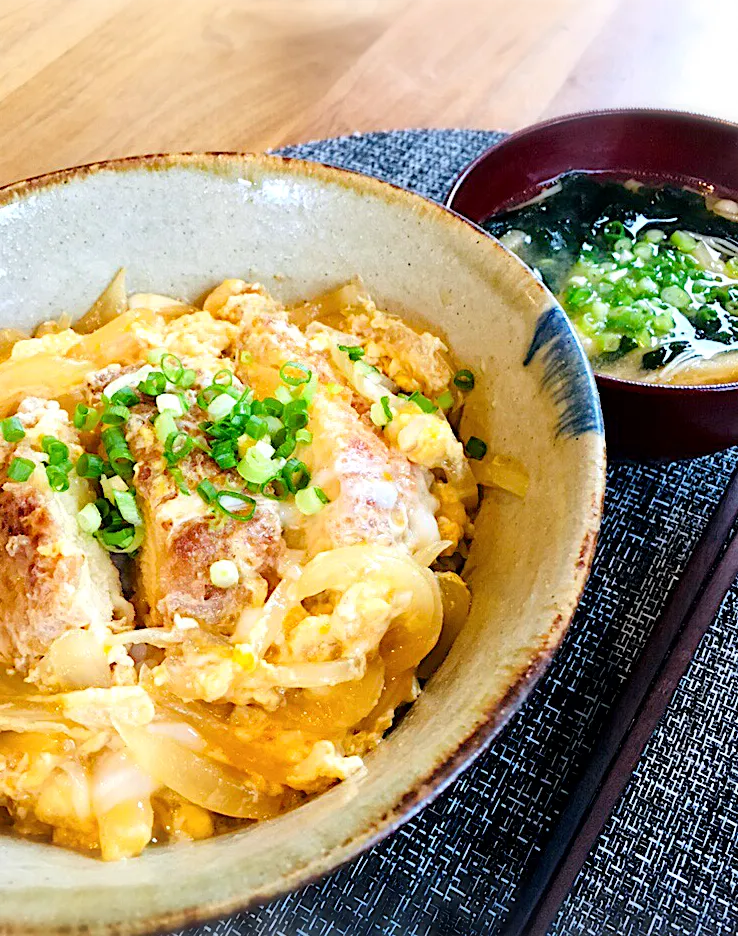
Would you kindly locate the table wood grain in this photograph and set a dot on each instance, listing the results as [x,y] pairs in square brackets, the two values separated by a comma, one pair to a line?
[82,80]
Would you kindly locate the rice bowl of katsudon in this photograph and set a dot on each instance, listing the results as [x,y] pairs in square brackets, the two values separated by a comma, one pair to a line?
[300,480]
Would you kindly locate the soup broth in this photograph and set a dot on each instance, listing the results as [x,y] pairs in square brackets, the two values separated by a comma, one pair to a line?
[648,276]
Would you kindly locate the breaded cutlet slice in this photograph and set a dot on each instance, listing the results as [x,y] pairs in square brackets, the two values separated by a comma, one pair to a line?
[53,577]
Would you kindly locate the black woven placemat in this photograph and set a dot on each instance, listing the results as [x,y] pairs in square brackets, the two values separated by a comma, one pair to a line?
[667,862]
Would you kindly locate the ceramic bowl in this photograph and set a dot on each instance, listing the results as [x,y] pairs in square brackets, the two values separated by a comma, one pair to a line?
[180,224]
[642,420]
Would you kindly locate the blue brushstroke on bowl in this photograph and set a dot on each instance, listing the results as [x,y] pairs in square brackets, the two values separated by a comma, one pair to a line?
[566,375]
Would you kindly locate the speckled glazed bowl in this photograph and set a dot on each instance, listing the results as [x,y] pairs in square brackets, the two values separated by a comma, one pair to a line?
[182,223]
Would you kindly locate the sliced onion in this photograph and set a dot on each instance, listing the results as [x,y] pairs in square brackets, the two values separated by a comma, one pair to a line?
[155,636]
[76,660]
[199,779]
[222,735]
[427,555]
[456,601]
[117,778]
[261,633]
[109,304]
[301,675]
[505,472]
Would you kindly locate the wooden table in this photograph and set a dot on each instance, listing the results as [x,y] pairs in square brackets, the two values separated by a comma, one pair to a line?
[82,80]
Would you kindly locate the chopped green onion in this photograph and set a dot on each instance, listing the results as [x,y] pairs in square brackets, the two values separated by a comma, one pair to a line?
[276,489]
[283,394]
[676,296]
[115,415]
[223,454]
[220,407]
[224,573]
[654,236]
[296,475]
[90,466]
[155,355]
[256,427]
[176,472]
[304,436]
[126,396]
[246,357]
[13,429]
[422,402]
[377,414]
[272,406]
[464,380]
[228,502]
[307,391]
[177,446]
[154,384]
[57,451]
[354,351]
[170,402]
[121,541]
[85,418]
[187,379]
[207,491]
[310,500]
[274,425]
[475,448]
[119,455]
[164,426]
[286,448]
[171,367]
[445,400]
[293,373]
[126,504]
[20,469]
[257,467]
[683,241]
[57,477]
[296,420]
[89,519]
[224,378]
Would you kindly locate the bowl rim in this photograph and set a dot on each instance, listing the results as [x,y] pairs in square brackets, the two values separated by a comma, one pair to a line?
[581,117]
[492,722]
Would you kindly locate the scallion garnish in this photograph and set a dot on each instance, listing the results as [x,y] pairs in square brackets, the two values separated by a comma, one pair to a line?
[171,367]
[256,427]
[446,400]
[13,430]
[126,504]
[154,384]
[207,491]
[90,466]
[57,477]
[272,407]
[275,489]
[126,396]
[296,475]
[20,469]
[475,448]
[286,448]
[84,418]
[354,351]
[164,426]
[294,374]
[310,500]
[464,380]
[304,436]
[224,378]
[89,519]
[114,415]
[187,379]
[119,455]
[224,455]
[422,402]
[235,505]
[177,446]
[220,407]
